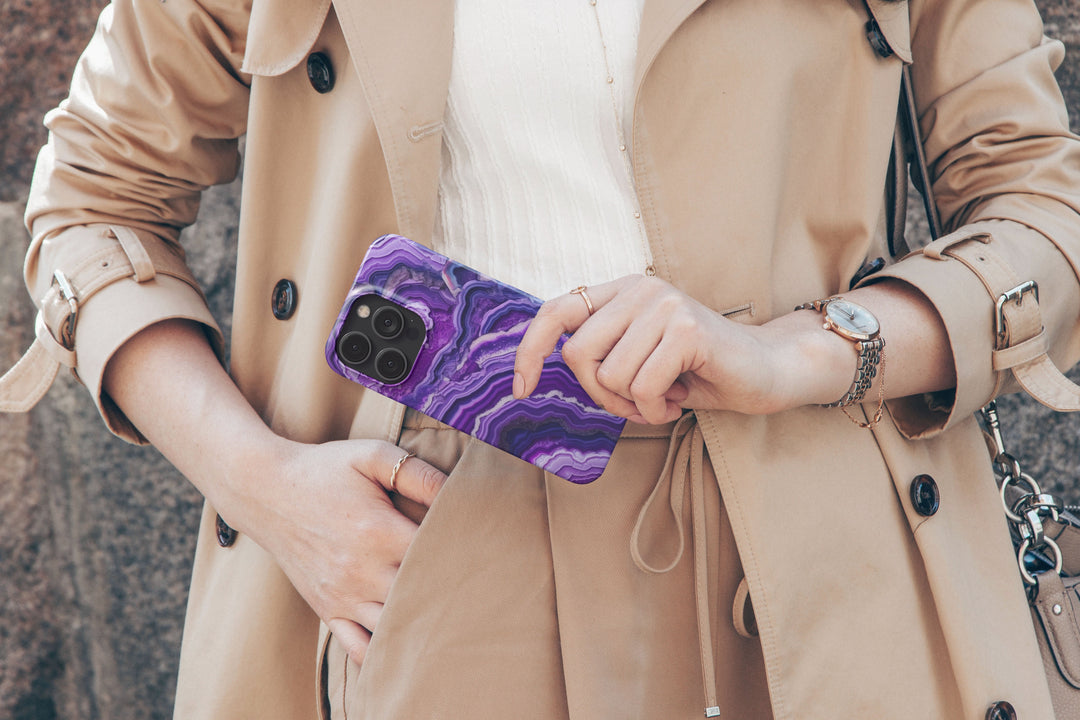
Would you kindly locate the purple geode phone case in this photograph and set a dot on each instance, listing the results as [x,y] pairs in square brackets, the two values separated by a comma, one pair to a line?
[463,374]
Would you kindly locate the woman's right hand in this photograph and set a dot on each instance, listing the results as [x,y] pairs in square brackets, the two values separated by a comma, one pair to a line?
[324,513]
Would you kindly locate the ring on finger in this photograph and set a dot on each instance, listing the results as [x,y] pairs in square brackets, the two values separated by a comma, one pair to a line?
[397,466]
[581,290]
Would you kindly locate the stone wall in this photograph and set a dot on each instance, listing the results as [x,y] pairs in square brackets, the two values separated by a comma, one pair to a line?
[96,536]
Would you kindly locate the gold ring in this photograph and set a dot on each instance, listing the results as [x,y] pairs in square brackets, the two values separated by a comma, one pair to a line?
[397,466]
[580,290]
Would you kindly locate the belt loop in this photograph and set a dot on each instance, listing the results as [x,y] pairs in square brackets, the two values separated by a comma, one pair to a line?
[136,253]
[938,248]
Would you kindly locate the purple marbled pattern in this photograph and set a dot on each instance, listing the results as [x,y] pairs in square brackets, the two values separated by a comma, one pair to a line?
[463,375]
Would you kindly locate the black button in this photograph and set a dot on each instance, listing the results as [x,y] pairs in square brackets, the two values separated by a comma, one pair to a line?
[924,495]
[226,536]
[868,268]
[320,72]
[876,38]
[1001,711]
[283,300]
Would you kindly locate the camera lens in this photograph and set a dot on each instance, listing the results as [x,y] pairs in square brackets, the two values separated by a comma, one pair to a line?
[354,347]
[391,365]
[388,322]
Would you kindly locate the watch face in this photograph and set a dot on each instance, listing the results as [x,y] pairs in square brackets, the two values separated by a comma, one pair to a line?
[851,320]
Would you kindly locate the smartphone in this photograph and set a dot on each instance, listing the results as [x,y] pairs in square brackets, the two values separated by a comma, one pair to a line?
[440,337]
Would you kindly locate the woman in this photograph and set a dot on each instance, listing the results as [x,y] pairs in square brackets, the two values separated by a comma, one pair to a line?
[776,564]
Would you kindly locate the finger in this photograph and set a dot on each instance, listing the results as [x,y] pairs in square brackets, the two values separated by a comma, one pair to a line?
[415,479]
[352,636]
[678,393]
[560,315]
[585,356]
[654,379]
[621,364]
[368,614]
[606,354]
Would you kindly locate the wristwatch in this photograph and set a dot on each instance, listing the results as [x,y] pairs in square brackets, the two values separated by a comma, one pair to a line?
[856,323]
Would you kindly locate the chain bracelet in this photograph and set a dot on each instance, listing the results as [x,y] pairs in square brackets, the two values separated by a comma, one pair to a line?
[1027,515]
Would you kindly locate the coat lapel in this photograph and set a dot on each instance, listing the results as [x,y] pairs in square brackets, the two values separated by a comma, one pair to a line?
[658,21]
[404,68]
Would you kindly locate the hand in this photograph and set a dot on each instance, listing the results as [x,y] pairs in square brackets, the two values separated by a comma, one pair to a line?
[649,350]
[324,513]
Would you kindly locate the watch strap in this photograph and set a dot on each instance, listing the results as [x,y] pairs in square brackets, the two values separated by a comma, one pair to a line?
[865,372]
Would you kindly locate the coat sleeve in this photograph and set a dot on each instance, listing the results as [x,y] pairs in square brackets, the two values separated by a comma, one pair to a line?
[1006,169]
[157,103]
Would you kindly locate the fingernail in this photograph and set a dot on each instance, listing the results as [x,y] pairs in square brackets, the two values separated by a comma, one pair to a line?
[519,385]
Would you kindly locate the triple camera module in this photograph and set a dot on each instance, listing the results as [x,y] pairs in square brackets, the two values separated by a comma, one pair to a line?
[381,339]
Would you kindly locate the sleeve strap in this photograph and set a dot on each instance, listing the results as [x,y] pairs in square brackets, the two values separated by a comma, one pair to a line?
[1020,344]
[54,327]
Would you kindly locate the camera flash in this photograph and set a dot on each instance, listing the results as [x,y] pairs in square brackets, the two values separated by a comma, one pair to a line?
[363,311]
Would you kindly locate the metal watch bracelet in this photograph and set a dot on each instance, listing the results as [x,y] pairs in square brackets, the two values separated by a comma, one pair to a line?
[865,372]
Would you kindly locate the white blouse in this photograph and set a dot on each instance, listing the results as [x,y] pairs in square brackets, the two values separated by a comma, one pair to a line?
[536,186]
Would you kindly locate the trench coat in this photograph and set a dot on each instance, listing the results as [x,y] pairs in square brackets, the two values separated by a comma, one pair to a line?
[762,132]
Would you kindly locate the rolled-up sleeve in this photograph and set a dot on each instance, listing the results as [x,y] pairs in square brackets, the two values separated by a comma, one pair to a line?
[1005,169]
[156,107]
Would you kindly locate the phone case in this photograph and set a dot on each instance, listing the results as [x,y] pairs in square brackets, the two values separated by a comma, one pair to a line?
[463,374]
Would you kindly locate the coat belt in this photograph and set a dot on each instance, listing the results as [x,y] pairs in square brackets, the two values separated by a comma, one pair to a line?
[684,465]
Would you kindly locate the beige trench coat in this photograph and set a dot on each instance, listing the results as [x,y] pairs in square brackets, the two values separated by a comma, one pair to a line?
[761,136]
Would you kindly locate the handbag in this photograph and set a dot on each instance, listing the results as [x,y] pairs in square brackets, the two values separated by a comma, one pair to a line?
[1045,532]
[1046,535]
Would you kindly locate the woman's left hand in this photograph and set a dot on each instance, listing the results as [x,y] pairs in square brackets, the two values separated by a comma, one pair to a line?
[648,350]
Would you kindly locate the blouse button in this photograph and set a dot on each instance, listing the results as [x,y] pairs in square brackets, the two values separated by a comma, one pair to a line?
[320,72]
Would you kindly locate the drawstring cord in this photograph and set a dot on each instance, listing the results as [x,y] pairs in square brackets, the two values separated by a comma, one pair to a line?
[685,464]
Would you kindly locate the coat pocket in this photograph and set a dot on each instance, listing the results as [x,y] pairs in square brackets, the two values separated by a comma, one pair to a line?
[281,33]
[444,448]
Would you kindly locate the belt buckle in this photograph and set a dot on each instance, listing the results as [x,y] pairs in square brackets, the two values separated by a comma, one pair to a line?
[1016,295]
[67,293]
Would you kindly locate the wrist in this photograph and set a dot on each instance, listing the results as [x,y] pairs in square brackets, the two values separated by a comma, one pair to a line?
[248,474]
[855,324]
[818,364]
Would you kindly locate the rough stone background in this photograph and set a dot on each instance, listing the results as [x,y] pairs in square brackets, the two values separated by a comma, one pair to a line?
[96,536]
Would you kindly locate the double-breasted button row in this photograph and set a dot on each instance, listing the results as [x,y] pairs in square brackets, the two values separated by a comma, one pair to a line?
[925,496]
[1001,710]
[226,536]
[283,299]
[877,39]
[320,72]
